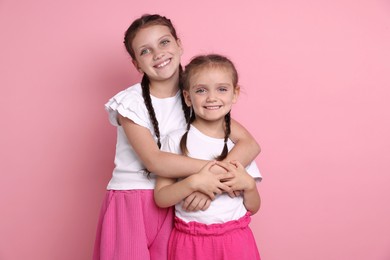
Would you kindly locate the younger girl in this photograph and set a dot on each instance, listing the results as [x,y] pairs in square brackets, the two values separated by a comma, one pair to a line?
[131,226]
[221,231]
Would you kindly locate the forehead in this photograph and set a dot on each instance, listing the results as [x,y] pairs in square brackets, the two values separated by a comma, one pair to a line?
[150,34]
[211,74]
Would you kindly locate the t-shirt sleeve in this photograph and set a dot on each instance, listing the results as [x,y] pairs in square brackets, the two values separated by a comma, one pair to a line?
[254,171]
[171,143]
[128,103]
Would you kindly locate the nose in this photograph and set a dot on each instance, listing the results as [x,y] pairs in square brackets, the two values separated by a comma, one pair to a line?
[211,97]
[158,55]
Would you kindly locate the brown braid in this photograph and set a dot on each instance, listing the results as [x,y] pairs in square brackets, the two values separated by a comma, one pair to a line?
[225,150]
[185,108]
[149,106]
[183,140]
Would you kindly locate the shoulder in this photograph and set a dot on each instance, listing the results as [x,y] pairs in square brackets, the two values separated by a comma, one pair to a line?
[132,93]
[128,103]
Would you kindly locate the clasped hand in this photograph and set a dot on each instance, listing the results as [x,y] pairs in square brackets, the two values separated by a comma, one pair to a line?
[215,178]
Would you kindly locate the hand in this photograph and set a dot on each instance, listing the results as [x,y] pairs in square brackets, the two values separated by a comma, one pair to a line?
[207,182]
[228,173]
[222,169]
[241,181]
[196,201]
[235,193]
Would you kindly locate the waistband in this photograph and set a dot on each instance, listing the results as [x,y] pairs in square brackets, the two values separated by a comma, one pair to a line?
[196,228]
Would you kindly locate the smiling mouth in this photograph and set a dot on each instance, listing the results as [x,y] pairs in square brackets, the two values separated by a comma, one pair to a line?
[163,64]
[212,107]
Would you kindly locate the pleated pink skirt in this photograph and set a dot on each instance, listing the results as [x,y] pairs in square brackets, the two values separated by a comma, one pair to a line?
[228,241]
[131,226]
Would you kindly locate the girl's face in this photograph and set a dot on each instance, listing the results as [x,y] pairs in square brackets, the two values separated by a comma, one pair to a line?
[211,93]
[157,52]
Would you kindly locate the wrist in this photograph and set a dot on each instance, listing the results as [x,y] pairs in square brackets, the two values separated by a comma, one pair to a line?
[192,182]
[251,185]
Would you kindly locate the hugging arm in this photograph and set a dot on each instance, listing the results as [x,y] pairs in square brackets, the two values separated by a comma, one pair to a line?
[246,148]
[159,162]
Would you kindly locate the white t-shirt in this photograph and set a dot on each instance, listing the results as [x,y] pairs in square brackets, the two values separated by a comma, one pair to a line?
[129,173]
[200,146]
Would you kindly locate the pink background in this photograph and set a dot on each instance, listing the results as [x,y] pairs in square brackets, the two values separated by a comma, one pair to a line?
[316,87]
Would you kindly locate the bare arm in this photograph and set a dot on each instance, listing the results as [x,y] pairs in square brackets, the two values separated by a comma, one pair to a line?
[163,195]
[162,163]
[246,148]
[252,200]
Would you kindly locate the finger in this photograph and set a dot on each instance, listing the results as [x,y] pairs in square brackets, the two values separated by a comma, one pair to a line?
[230,183]
[234,162]
[224,165]
[225,188]
[238,165]
[230,168]
[208,165]
[226,177]
[187,201]
[237,193]
[206,205]
[193,205]
[200,205]
[212,195]
[190,208]
[228,174]
[231,194]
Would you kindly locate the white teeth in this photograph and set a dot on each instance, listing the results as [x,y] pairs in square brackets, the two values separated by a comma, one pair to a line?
[163,64]
[212,107]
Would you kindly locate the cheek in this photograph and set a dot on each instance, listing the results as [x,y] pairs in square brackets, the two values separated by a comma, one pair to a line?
[197,104]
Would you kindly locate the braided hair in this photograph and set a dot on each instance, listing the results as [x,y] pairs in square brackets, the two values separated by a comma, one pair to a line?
[183,140]
[195,65]
[140,23]
[225,150]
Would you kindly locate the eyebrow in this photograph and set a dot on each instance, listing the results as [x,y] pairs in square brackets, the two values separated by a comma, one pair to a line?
[201,85]
[159,39]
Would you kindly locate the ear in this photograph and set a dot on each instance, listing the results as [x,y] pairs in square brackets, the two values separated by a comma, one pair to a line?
[178,41]
[236,93]
[135,63]
[187,98]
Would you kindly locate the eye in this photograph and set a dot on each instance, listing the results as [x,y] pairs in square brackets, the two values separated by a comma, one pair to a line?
[200,91]
[144,51]
[223,89]
[165,42]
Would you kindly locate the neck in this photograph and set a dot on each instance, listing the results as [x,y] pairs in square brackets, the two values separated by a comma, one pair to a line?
[215,129]
[165,88]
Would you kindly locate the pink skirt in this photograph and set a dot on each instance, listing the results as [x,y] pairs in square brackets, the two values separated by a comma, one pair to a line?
[231,240]
[132,226]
